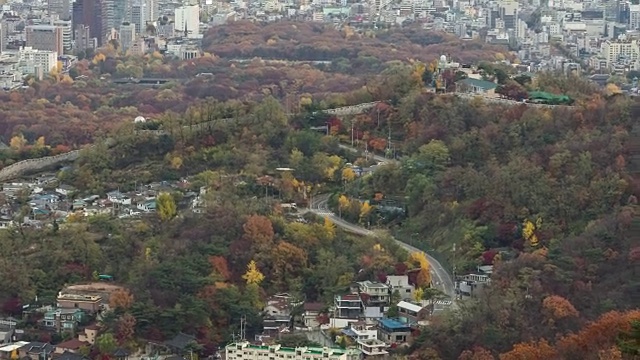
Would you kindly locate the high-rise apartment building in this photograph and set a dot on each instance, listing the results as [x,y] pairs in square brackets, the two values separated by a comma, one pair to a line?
[82,38]
[187,21]
[127,36]
[137,17]
[45,37]
[62,8]
[67,34]
[107,20]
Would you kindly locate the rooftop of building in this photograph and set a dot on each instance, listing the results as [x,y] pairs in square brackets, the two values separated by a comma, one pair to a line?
[393,323]
[304,350]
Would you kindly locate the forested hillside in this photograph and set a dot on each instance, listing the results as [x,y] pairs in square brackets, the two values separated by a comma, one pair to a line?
[546,195]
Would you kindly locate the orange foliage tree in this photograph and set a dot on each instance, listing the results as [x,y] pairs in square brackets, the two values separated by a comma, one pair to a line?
[531,351]
[121,299]
[558,307]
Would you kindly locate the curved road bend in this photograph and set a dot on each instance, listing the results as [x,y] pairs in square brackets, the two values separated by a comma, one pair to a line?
[443,281]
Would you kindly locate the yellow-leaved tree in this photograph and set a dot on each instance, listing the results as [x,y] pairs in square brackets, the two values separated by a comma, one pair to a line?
[343,202]
[329,228]
[18,142]
[418,294]
[253,275]
[166,207]
[529,231]
[365,210]
[348,175]
[424,275]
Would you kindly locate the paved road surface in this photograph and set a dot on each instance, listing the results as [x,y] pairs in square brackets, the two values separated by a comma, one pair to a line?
[380,159]
[442,279]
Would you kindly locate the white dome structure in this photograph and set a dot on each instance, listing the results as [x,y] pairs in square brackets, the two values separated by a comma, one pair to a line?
[139,119]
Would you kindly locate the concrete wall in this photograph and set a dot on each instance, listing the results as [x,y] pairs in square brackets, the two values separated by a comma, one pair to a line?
[32,165]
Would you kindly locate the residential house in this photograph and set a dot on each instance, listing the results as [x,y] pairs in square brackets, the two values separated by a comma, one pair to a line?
[120,354]
[181,344]
[476,86]
[372,348]
[96,210]
[72,346]
[375,293]
[147,206]
[89,334]
[361,331]
[11,189]
[65,190]
[117,197]
[471,282]
[311,311]
[6,335]
[246,351]
[43,200]
[348,306]
[6,222]
[36,350]
[277,306]
[400,283]
[67,355]
[412,313]
[63,319]
[393,331]
[88,303]
[274,327]
[8,351]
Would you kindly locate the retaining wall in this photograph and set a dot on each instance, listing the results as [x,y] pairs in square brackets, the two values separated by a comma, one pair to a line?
[32,165]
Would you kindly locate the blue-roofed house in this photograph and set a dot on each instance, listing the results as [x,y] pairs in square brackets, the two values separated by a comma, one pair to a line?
[147,206]
[394,331]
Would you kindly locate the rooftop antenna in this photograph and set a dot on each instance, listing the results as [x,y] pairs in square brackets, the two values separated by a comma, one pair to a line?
[243,323]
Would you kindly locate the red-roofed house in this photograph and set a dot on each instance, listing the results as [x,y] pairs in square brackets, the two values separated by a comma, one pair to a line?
[72,345]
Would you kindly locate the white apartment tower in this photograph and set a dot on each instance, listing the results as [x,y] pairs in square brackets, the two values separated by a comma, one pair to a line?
[634,17]
[187,20]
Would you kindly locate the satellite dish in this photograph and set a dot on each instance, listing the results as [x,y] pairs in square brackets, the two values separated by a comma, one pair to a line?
[139,119]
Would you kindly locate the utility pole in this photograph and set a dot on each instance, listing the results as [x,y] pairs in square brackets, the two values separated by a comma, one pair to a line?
[243,321]
[351,133]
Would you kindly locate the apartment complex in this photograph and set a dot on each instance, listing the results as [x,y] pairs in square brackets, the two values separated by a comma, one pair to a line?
[246,351]
[36,61]
[614,50]
[45,37]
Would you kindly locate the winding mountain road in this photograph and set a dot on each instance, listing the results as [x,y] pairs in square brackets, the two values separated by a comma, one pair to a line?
[442,279]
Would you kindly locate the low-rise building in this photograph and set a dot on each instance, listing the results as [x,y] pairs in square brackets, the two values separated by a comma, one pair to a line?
[475,86]
[7,351]
[88,303]
[62,320]
[392,331]
[348,306]
[400,283]
[311,311]
[246,351]
[36,350]
[376,294]
[73,346]
[372,347]
[412,313]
